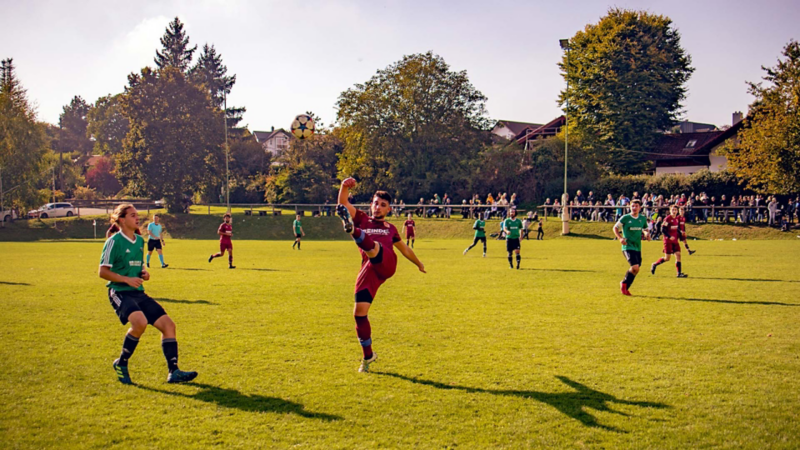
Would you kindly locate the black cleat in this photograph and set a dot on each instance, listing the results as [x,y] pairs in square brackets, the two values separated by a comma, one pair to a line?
[652,269]
[692,252]
[683,275]
[180,376]
[164,266]
[231,267]
[347,221]
[210,258]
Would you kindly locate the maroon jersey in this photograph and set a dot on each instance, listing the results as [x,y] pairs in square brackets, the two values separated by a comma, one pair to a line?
[223,238]
[373,274]
[682,226]
[671,227]
[409,224]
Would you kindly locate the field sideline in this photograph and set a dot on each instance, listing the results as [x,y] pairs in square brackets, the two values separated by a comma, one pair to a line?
[472,354]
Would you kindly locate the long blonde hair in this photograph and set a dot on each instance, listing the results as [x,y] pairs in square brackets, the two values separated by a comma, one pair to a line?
[119,212]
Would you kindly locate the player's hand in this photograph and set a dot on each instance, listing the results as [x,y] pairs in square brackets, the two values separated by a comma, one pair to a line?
[163,244]
[623,241]
[145,275]
[134,282]
[673,239]
[422,268]
[349,183]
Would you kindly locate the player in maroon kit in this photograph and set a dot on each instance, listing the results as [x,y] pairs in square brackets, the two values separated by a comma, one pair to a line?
[682,225]
[376,239]
[225,232]
[672,245]
[410,229]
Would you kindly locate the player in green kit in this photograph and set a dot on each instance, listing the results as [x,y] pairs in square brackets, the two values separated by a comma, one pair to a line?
[633,226]
[122,265]
[512,227]
[480,234]
[298,232]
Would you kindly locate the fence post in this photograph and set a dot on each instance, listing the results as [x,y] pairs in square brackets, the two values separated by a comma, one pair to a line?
[209,209]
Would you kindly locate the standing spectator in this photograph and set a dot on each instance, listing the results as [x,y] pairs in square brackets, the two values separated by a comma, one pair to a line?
[590,198]
[607,211]
[540,232]
[447,208]
[772,208]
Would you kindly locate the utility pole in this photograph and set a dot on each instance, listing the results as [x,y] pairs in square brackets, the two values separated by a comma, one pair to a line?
[565,197]
[227,150]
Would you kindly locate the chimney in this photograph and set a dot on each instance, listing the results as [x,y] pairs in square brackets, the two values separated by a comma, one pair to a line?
[273,128]
[737,117]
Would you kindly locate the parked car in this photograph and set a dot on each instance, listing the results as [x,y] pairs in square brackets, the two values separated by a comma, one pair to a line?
[53,210]
[8,215]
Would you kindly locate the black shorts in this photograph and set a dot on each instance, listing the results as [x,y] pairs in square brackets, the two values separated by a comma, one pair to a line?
[153,244]
[298,235]
[127,302]
[479,238]
[634,257]
[512,244]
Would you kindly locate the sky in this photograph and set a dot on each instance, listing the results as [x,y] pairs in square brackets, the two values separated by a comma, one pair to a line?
[295,56]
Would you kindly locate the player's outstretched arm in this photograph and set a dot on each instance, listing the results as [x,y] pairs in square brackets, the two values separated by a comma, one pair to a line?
[410,255]
[344,195]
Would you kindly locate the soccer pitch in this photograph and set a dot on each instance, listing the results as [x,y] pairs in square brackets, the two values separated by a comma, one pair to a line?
[472,354]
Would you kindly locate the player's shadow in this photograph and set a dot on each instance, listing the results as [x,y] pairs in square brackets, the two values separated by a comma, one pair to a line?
[588,236]
[260,269]
[572,404]
[12,283]
[190,269]
[713,300]
[187,302]
[763,280]
[231,398]
[556,270]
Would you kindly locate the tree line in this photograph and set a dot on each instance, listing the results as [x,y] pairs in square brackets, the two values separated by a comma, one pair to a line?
[415,128]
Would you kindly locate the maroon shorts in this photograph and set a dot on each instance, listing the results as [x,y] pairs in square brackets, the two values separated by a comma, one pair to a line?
[410,235]
[225,246]
[671,247]
[372,275]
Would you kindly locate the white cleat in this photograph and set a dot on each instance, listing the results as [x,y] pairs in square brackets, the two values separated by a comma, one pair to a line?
[465,251]
[366,362]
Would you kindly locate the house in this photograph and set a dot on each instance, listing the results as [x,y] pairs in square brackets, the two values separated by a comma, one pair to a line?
[508,129]
[691,152]
[537,132]
[273,141]
[694,127]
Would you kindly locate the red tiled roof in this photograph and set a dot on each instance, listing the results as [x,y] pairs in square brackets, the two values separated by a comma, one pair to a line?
[517,127]
[674,146]
[548,129]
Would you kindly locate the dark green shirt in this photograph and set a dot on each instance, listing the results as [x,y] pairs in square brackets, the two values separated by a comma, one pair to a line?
[479,227]
[512,227]
[632,228]
[124,257]
[297,226]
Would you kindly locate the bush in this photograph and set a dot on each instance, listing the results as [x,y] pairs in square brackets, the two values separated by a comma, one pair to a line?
[85,193]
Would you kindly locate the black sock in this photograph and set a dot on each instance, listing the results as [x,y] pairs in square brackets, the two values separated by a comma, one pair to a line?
[295,243]
[298,245]
[484,249]
[128,346]
[170,348]
[510,261]
[629,277]
[678,266]
[519,258]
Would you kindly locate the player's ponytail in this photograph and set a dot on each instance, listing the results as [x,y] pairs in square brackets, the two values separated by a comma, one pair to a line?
[119,212]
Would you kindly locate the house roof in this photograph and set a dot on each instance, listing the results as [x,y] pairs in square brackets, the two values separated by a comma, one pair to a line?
[516,127]
[264,136]
[681,145]
[548,129]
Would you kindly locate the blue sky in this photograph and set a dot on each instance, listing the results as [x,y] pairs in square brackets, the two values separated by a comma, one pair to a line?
[292,56]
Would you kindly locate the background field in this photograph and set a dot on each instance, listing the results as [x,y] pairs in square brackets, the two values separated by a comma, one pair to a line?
[472,354]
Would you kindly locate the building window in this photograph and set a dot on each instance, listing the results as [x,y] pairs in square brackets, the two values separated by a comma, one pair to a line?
[691,143]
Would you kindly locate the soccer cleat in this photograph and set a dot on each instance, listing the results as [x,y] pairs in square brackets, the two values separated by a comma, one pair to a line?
[210,258]
[683,275]
[148,265]
[366,362]
[652,269]
[624,288]
[164,266]
[691,252]
[484,255]
[122,373]
[180,376]
[465,251]
[347,221]
[231,267]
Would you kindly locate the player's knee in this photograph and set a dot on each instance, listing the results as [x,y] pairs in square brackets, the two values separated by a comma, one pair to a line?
[634,270]
[138,324]
[167,326]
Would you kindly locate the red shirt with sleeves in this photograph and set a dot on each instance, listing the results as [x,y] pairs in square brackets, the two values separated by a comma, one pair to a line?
[671,226]
[225,227]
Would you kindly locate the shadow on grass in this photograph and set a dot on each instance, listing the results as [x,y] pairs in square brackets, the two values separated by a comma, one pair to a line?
[556,270]
[712,300]
[231,398]
[187,302]
[261,270]
[587,236]
[764,280]
[12,283]
[190,269]
[571,404]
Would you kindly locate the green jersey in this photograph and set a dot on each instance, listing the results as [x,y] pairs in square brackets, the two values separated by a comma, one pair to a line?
[297,226]
[632,228]
[512,227]
[479,227]
[124,257]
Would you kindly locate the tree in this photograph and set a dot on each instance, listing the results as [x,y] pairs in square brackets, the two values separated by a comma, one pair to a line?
[306,171]
[626,78]
[412,128]
[107,126]
[767,158]
[174,146]
[23,143]
[100,177]
[210,71]
[175,51]
[73,122]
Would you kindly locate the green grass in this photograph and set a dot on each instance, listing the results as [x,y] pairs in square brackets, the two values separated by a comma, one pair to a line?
[472,354]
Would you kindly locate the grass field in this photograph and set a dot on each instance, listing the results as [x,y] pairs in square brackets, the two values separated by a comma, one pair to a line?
[472,354]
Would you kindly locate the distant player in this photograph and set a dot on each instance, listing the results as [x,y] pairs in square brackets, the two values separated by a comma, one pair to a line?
[410,229]
[633,226]
[540,231]
[682,225]
[155,241]
[671,230]
[480,234]
[376,240]
[511,226]
[225,231]
[121,264]
[298,232]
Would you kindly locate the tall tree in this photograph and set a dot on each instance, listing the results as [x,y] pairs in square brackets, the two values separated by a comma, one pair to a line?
[768,156]
[626,78]
[23,143]
[175,51]
[210,72]
[412,128]
[107,126]
[174,146]
[73,122]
